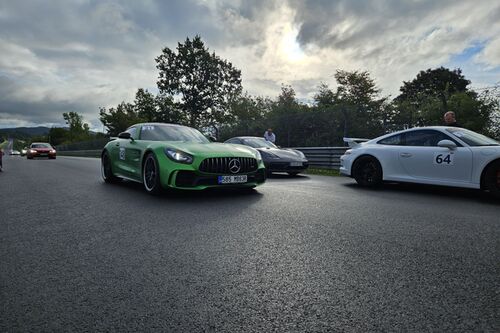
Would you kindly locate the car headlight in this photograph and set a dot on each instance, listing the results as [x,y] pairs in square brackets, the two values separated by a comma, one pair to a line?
[32,151]
[268,154]
[52,151]
[178,156]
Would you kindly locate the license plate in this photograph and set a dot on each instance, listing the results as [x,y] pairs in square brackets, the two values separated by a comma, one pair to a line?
[295,164]
[232,179]
[42,154]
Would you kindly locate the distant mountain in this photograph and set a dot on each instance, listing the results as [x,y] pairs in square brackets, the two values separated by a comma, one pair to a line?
[23,132]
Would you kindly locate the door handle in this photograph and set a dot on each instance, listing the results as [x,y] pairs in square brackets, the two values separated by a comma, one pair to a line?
[405,155]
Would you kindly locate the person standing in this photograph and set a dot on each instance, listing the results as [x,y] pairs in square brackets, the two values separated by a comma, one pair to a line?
[269,135]
[450,120]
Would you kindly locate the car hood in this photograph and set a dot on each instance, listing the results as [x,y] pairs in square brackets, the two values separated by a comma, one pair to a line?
[213,149]
[282,153]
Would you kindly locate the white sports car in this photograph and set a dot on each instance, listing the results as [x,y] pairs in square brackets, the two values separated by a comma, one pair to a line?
[439,155]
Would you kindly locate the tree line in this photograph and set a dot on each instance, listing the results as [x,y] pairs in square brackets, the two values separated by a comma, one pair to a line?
[199,89]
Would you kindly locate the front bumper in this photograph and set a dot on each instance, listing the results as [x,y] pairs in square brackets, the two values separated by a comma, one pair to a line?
[345,166]
[286,166]
[193,180]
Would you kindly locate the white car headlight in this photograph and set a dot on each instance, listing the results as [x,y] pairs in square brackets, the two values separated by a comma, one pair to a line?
[178,156]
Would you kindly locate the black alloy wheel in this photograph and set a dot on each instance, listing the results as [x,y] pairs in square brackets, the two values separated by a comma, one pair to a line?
[368,172]
[151,175]
[492,179]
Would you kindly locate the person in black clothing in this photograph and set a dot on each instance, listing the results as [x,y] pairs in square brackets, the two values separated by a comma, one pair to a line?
[450,120]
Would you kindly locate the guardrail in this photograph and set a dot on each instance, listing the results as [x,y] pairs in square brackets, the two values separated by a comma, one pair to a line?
[319,157]
[80,153]
[323,157]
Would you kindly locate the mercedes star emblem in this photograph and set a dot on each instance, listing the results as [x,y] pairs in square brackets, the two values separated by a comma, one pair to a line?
[234,166]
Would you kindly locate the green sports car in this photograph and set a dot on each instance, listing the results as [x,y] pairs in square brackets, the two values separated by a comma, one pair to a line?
[162,156]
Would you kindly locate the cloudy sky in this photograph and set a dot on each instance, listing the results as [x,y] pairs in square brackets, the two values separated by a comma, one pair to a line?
[59,55]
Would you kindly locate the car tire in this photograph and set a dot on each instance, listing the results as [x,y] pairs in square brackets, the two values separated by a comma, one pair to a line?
[293,174]
[367,171]
[151,175]
[106,169]
[492,179]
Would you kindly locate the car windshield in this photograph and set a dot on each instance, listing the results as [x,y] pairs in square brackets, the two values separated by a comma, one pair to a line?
[41,145]
[171,133]
[472,138]
[258,143]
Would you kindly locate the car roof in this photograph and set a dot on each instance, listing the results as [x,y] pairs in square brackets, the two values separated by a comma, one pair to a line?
[168,124]
[246,137]
[440,128]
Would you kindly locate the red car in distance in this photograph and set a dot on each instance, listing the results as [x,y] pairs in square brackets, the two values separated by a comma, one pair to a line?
[41,149]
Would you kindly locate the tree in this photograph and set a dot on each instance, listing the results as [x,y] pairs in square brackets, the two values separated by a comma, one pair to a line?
[439,83]
[167,110]
[145,105]
[58,135]
[77,129]
[360,104]
[120,118]
[205,84]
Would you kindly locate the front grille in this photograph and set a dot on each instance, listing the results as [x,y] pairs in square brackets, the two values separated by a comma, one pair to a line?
[220,165]
[185,178]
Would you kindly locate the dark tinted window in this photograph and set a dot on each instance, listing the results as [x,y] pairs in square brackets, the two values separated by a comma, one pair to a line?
[41,145]
[425,138]
[395,140]
[159,132]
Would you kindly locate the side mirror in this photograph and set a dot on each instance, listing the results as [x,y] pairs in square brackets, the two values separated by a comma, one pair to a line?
[447,144]
[212,139]
[124,135]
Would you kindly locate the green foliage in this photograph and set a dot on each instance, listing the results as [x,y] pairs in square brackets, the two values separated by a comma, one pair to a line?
[118,119]
[205,84]
[440,83]
[78,130]
[58,135]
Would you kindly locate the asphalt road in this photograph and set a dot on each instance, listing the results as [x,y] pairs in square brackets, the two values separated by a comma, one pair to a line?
[304,254]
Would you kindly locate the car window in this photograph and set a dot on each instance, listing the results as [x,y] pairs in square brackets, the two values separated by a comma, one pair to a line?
[472,138]
[425,138]
[162,132]
[40,145]
[132,131]
[258,143]
[395,140]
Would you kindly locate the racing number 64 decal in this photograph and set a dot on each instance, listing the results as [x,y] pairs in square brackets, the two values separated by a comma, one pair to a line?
[444,158]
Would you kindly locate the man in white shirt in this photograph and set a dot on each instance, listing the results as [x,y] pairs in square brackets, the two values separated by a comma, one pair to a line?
[269,135]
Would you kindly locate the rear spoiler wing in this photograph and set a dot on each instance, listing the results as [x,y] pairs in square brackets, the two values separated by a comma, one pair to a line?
[354,142]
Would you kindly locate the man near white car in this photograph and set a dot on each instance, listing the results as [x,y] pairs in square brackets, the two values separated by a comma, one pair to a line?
[269,135]
[450,120]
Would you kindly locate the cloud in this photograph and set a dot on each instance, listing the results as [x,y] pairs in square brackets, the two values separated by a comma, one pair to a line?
[61,56]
